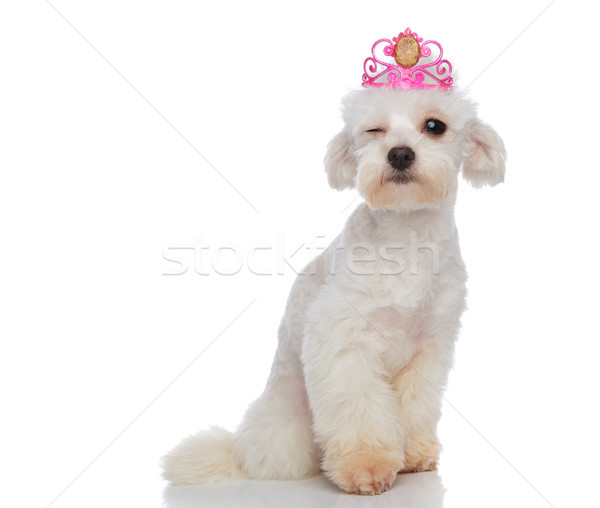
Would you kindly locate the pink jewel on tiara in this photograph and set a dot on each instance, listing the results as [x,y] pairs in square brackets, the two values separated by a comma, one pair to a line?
[394,64]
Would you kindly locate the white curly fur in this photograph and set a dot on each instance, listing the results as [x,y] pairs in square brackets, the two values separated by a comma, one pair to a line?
[367,341]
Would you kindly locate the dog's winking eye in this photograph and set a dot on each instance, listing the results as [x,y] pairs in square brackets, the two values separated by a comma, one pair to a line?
[435,127]
[376,130]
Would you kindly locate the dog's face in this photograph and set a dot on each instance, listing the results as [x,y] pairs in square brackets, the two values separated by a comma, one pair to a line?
[403,149]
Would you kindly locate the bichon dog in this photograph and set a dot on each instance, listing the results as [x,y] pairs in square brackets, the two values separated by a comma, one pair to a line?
[367,339]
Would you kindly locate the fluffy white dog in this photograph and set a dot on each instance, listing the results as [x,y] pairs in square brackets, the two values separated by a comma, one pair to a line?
[367,341]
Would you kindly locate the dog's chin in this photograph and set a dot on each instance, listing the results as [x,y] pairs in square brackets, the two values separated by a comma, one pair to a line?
[401,191]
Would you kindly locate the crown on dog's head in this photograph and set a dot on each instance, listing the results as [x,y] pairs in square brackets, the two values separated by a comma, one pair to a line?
[407,62]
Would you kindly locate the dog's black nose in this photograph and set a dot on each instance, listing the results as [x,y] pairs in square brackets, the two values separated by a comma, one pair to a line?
[401,157]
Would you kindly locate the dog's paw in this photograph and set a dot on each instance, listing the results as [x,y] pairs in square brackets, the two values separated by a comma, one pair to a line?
[367,473]
[421,456]
[419,465]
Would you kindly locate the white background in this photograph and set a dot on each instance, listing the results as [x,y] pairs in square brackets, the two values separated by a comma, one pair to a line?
[109,114]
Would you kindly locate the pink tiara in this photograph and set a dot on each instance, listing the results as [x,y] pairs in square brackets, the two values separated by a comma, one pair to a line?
[401,70]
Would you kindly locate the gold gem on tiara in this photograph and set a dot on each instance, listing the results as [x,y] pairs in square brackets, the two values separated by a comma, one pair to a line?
[407,51]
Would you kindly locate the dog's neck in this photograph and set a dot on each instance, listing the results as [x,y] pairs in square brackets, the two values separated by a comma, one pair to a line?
[431,222]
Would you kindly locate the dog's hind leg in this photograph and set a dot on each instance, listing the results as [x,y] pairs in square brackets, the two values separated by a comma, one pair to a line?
[275,439]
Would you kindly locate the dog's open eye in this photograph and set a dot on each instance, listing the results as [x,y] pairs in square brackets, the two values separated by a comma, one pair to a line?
[377,129]
[435,127]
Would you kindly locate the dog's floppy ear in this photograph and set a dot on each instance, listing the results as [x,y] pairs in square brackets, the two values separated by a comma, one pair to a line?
[340,164]
[484,155]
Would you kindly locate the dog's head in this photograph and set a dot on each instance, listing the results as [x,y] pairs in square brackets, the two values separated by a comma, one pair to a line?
[403,149]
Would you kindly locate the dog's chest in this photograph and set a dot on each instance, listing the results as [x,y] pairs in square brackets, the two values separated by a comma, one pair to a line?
[406,301]
[402,303]
[403,270]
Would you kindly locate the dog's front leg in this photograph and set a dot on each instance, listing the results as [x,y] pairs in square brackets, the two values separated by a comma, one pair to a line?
[356,414]
[419,389]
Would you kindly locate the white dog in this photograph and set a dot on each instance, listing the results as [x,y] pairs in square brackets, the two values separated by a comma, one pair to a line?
[367,341]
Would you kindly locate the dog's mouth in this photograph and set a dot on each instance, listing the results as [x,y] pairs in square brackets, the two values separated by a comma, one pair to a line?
[398,177]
